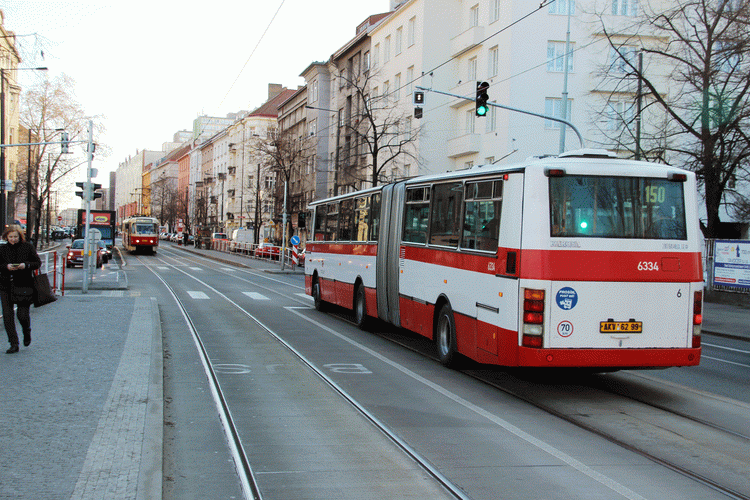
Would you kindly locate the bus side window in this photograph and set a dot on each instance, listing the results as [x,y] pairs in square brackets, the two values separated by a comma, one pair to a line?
[320,223]
[445,216]
[416,215]
[361,218]
[482,215]
[346,219]
[332,222]
[375,220]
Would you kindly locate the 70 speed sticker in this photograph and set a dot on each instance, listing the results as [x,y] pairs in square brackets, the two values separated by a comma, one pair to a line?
[565,328]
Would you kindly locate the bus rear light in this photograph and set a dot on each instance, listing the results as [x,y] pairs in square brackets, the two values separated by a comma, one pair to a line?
[697,317]
[531,341]
[533,318]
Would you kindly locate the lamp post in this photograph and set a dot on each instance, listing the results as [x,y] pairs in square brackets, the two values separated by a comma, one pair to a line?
[338,137]
[3,209]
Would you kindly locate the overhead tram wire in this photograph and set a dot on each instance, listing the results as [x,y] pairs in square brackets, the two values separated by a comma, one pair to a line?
[257,44]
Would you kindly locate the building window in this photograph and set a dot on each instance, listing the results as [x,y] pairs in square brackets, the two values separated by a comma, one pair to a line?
[619,114]
[376,55]
[472,73]
[556,56]
[625,8]
[399,39]
[561,7]
[621,59]
[474,16]
[490,123]
[553,107]
[387,49]
[397,87]
[411,34]
[470,121]
[495,11]
[492,62]
[410,80]
[315,91]
[366,61]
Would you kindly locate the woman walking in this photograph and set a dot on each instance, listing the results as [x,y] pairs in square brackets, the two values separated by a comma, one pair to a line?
[18,260]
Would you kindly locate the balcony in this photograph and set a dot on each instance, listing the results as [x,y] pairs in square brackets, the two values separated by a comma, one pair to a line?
[468,89]
[467,40]
[467,144]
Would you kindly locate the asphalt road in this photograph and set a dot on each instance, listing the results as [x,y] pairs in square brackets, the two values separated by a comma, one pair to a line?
[304,441]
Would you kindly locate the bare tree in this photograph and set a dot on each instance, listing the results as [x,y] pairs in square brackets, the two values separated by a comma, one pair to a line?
[376,132]
[707,104]
[285,156]
[47,110]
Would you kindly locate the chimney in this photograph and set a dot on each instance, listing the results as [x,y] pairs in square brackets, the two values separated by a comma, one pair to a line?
[274,89]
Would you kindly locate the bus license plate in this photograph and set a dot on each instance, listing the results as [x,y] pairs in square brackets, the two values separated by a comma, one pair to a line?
[620,327]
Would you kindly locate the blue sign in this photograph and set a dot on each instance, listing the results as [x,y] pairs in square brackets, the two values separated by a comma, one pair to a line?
[566,298]
[295,240]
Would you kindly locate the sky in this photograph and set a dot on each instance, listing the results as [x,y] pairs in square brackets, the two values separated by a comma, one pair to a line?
[151,67]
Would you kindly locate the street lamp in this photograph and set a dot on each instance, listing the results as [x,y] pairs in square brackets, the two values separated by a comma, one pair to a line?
[2,141]
[338,136]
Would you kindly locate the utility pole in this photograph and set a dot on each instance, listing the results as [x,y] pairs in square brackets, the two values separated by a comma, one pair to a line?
[88,192]
[564,110]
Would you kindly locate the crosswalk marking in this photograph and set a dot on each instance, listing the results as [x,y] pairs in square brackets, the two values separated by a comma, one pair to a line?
[256,295]
[197,295]
[162,268]
[304,296]
[196,268]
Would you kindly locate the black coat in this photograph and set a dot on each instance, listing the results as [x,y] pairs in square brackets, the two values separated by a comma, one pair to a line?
[15,254]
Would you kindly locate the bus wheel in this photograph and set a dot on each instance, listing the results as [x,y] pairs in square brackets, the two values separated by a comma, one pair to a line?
[320,305]
[360,307]
[445,336]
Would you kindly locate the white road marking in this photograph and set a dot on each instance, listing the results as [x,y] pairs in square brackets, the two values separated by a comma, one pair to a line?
[304,296]
[197,295]
[256,295]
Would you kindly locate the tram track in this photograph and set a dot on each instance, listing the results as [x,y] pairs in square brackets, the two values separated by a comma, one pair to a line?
[565,416]
[482,377]
[242,463]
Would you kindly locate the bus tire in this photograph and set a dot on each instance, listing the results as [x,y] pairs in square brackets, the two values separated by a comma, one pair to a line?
[320,304]
[445,336]
[360,307]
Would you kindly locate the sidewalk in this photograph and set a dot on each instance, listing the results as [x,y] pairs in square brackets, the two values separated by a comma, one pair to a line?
[82,406]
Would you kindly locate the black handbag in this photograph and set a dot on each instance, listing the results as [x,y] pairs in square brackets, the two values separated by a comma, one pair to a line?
[43,291]
[22,295]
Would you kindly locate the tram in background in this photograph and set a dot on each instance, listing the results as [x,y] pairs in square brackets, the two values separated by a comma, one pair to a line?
[140,234]
[581,260]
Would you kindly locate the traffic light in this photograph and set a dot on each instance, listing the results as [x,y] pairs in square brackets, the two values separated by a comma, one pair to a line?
[418,103]
[482,97]
[94,193]
[80,193]
[64,142]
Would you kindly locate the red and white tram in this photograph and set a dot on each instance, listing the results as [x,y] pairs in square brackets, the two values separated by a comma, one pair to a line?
[140,234]
[581,260]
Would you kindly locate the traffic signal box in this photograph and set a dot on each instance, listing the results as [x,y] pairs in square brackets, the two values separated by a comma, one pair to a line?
[418,103]
[89,191]
[482,97]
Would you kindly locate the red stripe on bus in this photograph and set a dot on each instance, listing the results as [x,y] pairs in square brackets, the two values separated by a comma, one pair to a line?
[586,265]
[342,248]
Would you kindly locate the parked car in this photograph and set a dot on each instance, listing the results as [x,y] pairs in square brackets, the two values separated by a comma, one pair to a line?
[267,251]
[74,257]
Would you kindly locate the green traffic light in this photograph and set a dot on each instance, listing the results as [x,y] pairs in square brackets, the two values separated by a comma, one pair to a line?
[481,110]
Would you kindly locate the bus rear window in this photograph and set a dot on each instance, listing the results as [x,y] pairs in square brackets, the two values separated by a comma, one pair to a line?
[616,207]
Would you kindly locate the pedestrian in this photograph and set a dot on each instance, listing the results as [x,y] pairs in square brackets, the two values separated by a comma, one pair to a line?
[18,260]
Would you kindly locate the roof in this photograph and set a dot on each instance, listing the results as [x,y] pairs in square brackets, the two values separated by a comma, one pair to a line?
[271,107]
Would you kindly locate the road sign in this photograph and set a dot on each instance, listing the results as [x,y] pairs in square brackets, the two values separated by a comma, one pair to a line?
[59,218]
[294,240]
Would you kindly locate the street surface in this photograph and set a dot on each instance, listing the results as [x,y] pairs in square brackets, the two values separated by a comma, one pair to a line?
[304,441]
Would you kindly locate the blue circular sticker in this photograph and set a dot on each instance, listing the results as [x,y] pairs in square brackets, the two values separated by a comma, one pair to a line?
[567,298]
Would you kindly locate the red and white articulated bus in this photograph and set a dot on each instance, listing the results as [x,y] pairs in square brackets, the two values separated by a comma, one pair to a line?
[140,234]
[581,260]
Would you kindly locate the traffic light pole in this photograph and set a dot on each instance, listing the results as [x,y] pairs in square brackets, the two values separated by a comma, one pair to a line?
[87,204]
[566,122]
